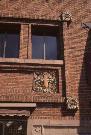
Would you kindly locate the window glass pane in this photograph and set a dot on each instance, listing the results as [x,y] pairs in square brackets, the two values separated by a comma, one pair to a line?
[17,127]
[12,45]
[51,47]
[1,128]
[2,40]
[37,47]
[13,127]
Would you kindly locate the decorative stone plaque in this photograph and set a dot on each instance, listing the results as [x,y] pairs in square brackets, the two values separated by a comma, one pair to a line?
[45,81]
[37,130]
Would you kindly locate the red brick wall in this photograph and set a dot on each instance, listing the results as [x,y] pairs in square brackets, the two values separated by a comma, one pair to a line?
[24,41]
[15,86]
[75,40]
[76,45]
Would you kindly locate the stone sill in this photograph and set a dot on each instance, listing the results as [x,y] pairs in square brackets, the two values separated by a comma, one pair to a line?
[31,61]
[13,105]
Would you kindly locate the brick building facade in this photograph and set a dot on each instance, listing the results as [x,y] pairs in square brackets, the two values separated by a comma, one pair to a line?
[43,94]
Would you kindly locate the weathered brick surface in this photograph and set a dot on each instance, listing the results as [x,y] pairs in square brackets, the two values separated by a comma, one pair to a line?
[75,46]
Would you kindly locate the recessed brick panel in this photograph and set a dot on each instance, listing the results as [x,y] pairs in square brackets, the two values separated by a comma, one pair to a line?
[15,84]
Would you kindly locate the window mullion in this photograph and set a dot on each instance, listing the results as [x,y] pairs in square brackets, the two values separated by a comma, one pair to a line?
[44,46]
[3,128]
[4,50]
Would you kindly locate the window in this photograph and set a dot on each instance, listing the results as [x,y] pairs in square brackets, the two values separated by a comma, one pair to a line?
[9,40]
[15,126]
[45,42]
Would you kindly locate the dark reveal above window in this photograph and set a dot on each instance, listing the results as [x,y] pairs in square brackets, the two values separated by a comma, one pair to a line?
[9,40]
[45,42]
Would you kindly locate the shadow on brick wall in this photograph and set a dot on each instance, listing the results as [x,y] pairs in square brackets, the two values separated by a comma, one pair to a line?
[85,90]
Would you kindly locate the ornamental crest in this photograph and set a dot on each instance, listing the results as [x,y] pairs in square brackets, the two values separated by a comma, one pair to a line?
[72,103]
[45,81]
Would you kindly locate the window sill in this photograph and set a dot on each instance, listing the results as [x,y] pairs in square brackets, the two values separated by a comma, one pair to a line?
[31,61]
